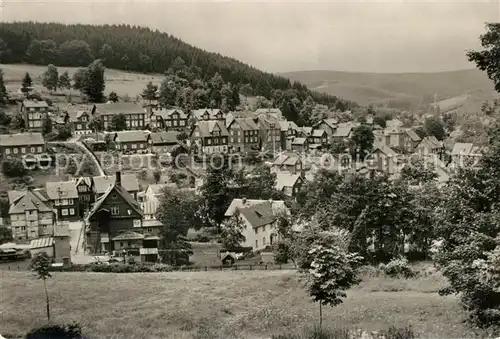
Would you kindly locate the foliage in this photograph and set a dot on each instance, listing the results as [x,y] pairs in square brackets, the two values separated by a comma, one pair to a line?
[40,264]
[398,267]
[3,90]
[118,122]
[362,141]
[417,171]
[177,211]
[46,125]
[50,78]
[128,268]
[17,122]
[113,97]
[5,119]
[434,127]
[69,331]
[231,235]
[157,176]
[380,121]
[94,81]
[149,93]
[26,83]
[64,81]
[13,168]
[343,333]
[5,235]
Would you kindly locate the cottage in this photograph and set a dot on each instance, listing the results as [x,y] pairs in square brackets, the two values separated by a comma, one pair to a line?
[274,113]
[342,132]
[288,161]
[174,119]
[131,141]
[299,145]
[318,137]
[135,115]
[162,142]
[465,154]
[289,130]
[210,137]
[33,112]
[329,126]
[383,159]
[86,196]
[411,141]
[430,145]
[244,135]
[208,114]
[22,144]
[289,183]
[64,198]
[30,214]
[57,246]
[270,133]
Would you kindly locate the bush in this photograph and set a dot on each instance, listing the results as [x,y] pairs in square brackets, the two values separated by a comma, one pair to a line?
[342,333]
[70,331]
[13,168]
[399,267]
[128,268]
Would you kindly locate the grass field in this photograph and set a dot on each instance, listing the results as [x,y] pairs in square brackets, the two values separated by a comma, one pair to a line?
[202,305]
[118,81]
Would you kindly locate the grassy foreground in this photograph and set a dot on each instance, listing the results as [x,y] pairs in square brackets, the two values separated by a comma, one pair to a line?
[236,304]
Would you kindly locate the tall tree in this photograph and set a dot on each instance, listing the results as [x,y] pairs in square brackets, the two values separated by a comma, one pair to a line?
[434,127]
[79,79]
[64,81]
[3,90]
[46,125]
[42,52]
[149,93]
[94,84]
[26,84]
[5,232]
[118,122]
[75,53]
[40,264]
[50,78]
[106,54]
[362,141]
[231,234]
[487,59]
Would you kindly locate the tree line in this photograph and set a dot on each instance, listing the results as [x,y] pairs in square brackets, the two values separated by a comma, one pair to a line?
[138,49]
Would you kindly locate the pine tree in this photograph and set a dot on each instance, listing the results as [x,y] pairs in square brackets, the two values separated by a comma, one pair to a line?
[149,93]
[3,90]
[26,84]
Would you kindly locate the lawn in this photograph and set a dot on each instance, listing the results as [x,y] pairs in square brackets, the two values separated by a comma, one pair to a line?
[236,304]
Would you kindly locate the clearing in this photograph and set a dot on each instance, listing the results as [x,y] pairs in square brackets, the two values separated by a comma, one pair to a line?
[236,304]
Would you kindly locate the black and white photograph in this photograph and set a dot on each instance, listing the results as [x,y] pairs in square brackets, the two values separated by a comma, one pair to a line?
[231,169]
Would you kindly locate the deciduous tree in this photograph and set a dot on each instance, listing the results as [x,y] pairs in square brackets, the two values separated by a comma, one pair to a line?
[40,264]
[50,78]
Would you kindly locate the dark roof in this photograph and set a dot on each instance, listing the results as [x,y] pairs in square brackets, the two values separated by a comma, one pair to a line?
[207,127]
[35,103]
[246,124]
[259,215]
[120,190]
[413,136]
[120,108]
[169,137]
[61,190]
[167,113]
[131,136]
[129,182]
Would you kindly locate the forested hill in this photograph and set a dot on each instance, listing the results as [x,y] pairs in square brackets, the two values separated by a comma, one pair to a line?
[138,49]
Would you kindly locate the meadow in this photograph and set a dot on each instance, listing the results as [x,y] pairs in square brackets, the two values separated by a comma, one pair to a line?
[234,304]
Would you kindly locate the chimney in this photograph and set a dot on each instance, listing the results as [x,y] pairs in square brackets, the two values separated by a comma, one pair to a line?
[118,181]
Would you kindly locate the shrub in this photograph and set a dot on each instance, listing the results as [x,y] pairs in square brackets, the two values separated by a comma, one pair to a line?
[13,168]
[342,333]
[399,267]
[70,331]
[128,268]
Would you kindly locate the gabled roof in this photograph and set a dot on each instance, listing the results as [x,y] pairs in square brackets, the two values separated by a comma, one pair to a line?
[131,136]
[156,188]
[331,122]
[343,130]
[307,130]
[265,122]
[286,125]
[246,124]
[238,204]
[85,180]
[268,110]
[21,139]
[413,136]
[287,158]
[128,235]
[462,148]
[206,128]
[61,190]
[299,141]
[167,113]
[394,123]
[259,215]
[129,182]
[120,190]
[384,149]
[35,103]
[116,108]
[284,179]
[318,133]
[28,201]
[212,112]
[164,138]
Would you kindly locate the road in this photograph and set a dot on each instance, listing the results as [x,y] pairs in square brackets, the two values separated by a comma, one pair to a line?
[76,233]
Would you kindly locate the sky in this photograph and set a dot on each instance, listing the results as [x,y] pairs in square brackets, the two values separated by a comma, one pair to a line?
[282,36]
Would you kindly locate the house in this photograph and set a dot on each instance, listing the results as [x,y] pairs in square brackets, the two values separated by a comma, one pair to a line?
[318,137]
[150,224]
[329,126]
[64,199]
[305,131]
[33,112]
[394,123]
[81,122]
[131,141]
[342,132]
[129,182]
[244,135]
[171,119]
[84,187]
[241,114]
[270,112]
[57,246]
[135,114]
[162,142]
[288,161]
[270,133]
[289,183]
[411,141]
[465,154]
[430,145]
[30,214]
[115,221]
[208,114]
[383,158]
[22,144]
[289,130]
[154,191]
[258,218]
[299,145]
[210,136]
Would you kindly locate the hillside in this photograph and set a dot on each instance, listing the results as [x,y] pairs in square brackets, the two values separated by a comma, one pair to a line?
[231,304]
[400,90]
[138,49]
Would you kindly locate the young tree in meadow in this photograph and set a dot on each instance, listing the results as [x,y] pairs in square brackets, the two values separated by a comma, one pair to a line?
[26,84]
[118,123]
[3,90]
[80,79]
[40,264]
[150,92]
[64,81]
[113,97]
[50,78]
[94,84]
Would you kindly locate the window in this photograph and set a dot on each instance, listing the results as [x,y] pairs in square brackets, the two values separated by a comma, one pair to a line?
[196,134]
[224,140]
[70,201]
[182,123]
[174,122]
[32,223]
[141,145]
[115,210]
[23,150]
[209,142]
[7,151]
[64,211]
[16,150]
[264,241]
[71,211]
[121,243]
[23,228]
[33,149]
[39,149]
[256,243]
[78,126]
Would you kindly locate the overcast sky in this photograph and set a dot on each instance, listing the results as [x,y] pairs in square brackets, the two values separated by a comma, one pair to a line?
[279,36]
